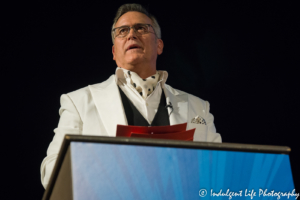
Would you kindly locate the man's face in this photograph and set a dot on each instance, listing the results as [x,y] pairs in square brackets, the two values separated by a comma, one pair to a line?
[149,45]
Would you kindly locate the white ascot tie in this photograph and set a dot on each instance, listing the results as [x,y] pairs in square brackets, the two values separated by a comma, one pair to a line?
[144,86]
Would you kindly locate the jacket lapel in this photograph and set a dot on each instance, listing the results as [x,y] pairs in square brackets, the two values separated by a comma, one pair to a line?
[109,105]
[110,108]
[179,103]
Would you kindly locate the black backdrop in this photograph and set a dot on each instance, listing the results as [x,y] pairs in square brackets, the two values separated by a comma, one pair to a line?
[240,56]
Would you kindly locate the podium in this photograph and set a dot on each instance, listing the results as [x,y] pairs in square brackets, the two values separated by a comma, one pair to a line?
[94,167]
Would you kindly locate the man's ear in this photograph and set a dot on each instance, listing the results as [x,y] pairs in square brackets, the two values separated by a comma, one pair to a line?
[113,52]
[160,46]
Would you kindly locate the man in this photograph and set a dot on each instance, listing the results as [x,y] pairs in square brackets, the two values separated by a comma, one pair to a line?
[135,95]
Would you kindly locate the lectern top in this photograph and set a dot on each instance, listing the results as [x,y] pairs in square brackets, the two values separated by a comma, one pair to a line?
[179,144]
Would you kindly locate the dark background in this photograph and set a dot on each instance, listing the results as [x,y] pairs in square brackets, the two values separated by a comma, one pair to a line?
[240,56]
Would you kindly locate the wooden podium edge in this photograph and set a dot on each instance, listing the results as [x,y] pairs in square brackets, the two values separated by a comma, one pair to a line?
[183,144]
[156,142]
[60,158]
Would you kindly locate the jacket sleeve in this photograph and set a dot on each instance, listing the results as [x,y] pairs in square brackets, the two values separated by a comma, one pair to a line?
[70,123]
[212,135]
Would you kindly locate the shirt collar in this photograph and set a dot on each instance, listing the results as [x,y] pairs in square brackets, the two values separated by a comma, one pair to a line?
[121,74]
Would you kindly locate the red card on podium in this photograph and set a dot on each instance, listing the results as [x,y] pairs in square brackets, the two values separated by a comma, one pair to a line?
[125,131]
[184,135]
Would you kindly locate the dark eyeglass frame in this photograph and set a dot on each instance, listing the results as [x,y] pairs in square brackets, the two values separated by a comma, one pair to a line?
[134,28]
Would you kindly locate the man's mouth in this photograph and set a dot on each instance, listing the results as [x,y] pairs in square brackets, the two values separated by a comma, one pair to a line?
[133,46]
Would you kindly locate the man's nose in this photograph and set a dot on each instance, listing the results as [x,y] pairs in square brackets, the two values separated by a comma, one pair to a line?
[131,34]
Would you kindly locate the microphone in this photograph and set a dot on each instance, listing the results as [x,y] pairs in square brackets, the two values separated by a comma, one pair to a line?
[170,106]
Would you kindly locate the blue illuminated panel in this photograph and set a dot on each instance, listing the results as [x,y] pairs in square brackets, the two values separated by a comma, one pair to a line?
[111,171]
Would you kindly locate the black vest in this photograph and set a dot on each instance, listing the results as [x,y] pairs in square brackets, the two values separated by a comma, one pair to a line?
[135,118]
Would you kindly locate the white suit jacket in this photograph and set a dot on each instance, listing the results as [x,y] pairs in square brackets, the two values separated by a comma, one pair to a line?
[97,109]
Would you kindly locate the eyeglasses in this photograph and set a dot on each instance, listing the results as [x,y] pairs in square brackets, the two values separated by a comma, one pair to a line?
[139,29]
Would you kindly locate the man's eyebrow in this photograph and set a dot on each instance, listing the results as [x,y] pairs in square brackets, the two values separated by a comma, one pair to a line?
[122,26]
[129,26]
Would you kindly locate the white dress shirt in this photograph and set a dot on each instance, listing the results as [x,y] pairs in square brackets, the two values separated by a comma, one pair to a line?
[147,107]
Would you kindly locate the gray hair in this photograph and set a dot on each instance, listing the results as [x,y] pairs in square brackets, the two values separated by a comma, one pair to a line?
[138,8]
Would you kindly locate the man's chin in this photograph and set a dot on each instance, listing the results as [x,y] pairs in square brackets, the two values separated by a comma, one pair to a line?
[135,60]
[132,65]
